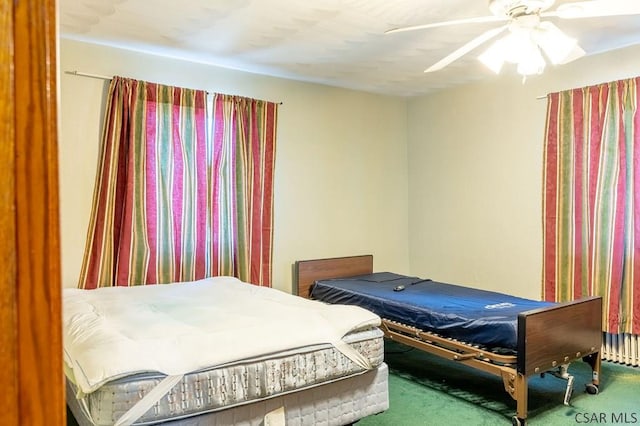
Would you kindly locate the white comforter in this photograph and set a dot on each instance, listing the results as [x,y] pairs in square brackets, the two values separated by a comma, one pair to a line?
[178,328]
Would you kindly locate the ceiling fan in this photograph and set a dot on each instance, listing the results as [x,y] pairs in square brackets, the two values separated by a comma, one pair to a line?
[529,35]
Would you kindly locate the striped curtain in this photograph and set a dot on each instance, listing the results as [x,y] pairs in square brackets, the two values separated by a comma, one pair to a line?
[592,200]
[243,135]
[149,215]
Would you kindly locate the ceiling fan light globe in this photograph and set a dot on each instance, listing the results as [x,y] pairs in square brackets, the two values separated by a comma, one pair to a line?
[493,57]
[555,44]
[517,46]
[532,63]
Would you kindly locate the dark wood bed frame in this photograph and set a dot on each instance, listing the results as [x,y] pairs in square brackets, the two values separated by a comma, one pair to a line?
[548,338]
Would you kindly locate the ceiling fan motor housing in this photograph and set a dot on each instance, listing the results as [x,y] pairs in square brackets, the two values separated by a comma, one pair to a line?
[517,8]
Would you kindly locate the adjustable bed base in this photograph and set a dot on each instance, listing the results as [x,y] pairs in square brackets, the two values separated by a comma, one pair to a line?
[548,338]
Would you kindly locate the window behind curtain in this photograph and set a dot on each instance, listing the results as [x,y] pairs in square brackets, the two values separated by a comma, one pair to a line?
[156,207]
[592,200]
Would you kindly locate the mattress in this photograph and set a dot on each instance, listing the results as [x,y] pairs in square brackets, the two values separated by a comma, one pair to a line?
[232,385]
[178,328]
[152,353]
[470,315]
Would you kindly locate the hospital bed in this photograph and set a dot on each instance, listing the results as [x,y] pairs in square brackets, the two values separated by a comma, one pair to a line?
[512,338]
[219,352]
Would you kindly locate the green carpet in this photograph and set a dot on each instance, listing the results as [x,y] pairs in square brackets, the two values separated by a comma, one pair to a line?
[427,390]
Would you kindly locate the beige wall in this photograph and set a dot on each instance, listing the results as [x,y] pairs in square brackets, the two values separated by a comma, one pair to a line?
[341,176]
[470,196]
[475,175]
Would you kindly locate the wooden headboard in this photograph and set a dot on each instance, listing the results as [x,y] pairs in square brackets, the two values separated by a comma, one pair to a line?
[308,271]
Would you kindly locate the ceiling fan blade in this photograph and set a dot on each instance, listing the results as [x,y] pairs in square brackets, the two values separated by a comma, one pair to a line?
[477,20]
[595,8]
[576,53]
[482,38]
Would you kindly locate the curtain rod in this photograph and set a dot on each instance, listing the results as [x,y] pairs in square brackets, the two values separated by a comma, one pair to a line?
[106,77]
[84,74]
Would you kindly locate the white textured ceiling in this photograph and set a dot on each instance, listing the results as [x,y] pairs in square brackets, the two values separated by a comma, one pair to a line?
[335,42]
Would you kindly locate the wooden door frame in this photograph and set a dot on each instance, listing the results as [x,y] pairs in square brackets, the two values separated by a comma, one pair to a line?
[31,374]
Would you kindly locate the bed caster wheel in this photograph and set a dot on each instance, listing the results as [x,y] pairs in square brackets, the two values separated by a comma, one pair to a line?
[517,421]
[592,389]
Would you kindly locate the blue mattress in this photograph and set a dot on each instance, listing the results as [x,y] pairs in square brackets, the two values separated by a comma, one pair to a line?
[470,315]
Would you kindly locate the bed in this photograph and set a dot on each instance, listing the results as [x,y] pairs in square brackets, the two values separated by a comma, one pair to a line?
[538,338]
[217,352]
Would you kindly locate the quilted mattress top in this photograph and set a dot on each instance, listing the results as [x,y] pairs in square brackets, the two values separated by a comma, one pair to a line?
[183,327]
